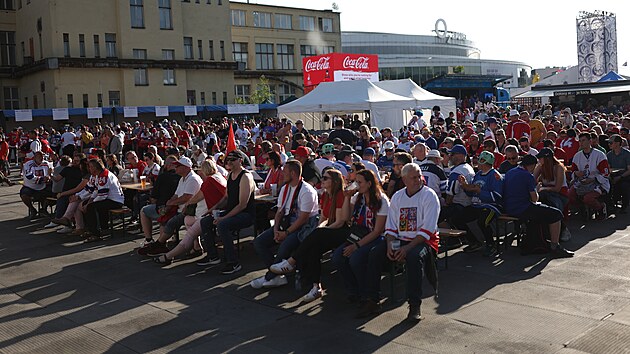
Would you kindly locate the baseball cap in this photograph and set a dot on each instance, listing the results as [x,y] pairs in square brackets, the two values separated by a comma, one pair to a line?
[369,152]
[491,120]
[514,112]
[388,145]
[183,161]
[529,160]
[434,153]
[545,152]
[615,138]
[301,151]
[328,148]
[458,149]
[487,157]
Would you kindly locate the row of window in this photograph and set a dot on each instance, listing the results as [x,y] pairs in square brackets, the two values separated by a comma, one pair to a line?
[110,45]
[284,54]
[191,98]
[136,8]
[281,21]
[283,92]
[189,52]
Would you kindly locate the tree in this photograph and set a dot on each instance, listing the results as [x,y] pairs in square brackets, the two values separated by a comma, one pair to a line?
[458,69]
[262,93]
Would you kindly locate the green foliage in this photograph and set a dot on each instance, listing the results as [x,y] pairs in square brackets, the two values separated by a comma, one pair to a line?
[262,93]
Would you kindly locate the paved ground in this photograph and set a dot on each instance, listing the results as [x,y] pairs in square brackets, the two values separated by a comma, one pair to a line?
[57,295]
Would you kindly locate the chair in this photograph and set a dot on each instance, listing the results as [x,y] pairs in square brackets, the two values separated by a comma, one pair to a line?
[447,233]
[517,233]
[120,213]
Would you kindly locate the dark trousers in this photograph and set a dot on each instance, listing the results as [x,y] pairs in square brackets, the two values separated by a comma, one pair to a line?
[61,206]
[309,254]
[621,190]
[97,215]
[484,217]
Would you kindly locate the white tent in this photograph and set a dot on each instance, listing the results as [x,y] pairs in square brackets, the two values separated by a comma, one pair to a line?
[353,96]
[424,99]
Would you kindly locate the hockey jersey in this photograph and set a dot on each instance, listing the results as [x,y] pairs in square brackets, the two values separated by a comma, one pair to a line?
[434,177]
[453,187]
[35,174]
[594,165]
[416,215]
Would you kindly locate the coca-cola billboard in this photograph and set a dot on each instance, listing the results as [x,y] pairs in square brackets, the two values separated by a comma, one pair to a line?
[328,67]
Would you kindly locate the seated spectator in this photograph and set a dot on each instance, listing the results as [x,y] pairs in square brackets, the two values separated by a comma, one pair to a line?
[456,198]
[590,177]
[395,179]
[212,191]
[237,213]
[511,159]
[386,162]
[274,176]
[619,161]
[331,232]
[369,208]
[310,173]
[296,218]
[433,174]
[520,199]
[107,195]
[113,165]
[554,191]
[525,147]
[368,161]
[36,187]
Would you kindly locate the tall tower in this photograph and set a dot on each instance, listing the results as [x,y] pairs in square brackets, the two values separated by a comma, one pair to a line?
[596,44]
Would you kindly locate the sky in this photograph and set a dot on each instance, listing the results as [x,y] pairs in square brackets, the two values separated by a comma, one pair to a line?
[538,33]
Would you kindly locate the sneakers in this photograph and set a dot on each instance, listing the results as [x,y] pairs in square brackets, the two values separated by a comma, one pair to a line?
[370,307]
[157,249]
[315,293]
[565,235]
[280,280]
[414,313]
[472,248]
[561,252]
[231,268]
[258,282]
[146,242]
[50,225]
[283,267]
[65,230]
[206,261]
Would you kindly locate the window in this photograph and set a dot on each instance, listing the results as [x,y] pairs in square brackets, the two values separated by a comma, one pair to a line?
[114,98]
[240,52]
[307,50]
[97,47]
[307,23]
[140,73]
[220,3]
[137,13]
[262,19]
[325,24]
[264,56]
[188,48]
[222,48]
[211,46]
[202,96]
[238,18]
[166,19]
[242,91]
[86,100]
[66,45]
[6,5]
[224,97]
[284,21]
[327,49]
[200,49]
[110,45]
[70,101]
[99,100]
[169,73]
[285,57]
[7,48]
[26,102]
[191,97]
[82,46]
[214,98]
[35,103]
[11,98]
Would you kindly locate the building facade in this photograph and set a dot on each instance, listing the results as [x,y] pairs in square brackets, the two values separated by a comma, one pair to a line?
[272,40]
[74,53]
[424,57]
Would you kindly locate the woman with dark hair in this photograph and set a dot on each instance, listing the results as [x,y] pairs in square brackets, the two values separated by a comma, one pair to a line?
[553,190]
[331,233]
[354,168]
[368,206]
[106,195]
[113,165]
[79,161]
[274,175]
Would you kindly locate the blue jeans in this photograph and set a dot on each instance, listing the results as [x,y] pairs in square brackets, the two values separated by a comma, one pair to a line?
[264,244]
[61,206]
[360,277]
[415,262]
[224,231]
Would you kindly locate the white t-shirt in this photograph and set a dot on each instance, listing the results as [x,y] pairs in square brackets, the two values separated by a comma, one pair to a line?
[191,184]
[321,164]
[306,200]
[152,171]
[365,216]
[67,138]
[372,167]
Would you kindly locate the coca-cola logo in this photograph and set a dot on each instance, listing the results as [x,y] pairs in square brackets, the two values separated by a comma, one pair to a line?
[357,63]
[322,63]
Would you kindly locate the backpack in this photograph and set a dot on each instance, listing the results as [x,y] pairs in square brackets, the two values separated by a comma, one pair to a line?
[535,238]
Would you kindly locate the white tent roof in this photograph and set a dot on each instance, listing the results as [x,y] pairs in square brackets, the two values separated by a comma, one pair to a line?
[348,96]
[424,98]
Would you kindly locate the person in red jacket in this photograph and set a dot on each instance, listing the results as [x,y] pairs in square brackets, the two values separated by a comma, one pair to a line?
[571,146]
[517,127]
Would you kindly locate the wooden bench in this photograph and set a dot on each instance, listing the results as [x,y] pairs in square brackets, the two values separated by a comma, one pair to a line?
[120,213]
[448,233]
[508,237]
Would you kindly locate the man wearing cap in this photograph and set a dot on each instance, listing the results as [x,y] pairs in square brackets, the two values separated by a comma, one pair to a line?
[517,127]
[346,135]
[368,161]
[433,174]
[188,185]
[456,198]
[486,191]
[619,161]
[327,158]
[520,197]
[386,161]
[310,173]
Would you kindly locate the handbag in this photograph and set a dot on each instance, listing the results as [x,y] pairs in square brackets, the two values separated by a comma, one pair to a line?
[357,232]
[285,222]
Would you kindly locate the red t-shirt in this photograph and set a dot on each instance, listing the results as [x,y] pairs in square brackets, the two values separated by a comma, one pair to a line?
[213,189]
[273,177]
[183,138]
[141,165]
[4,151]
[326,203]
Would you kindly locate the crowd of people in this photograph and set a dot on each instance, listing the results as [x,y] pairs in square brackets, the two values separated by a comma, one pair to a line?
[369,195]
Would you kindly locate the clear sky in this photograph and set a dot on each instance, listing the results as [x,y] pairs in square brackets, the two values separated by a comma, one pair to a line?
[538,33]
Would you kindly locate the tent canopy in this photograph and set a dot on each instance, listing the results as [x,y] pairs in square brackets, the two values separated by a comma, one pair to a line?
[424,98]
[611,76]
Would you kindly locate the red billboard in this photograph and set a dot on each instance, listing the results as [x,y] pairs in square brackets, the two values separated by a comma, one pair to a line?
[338,67]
